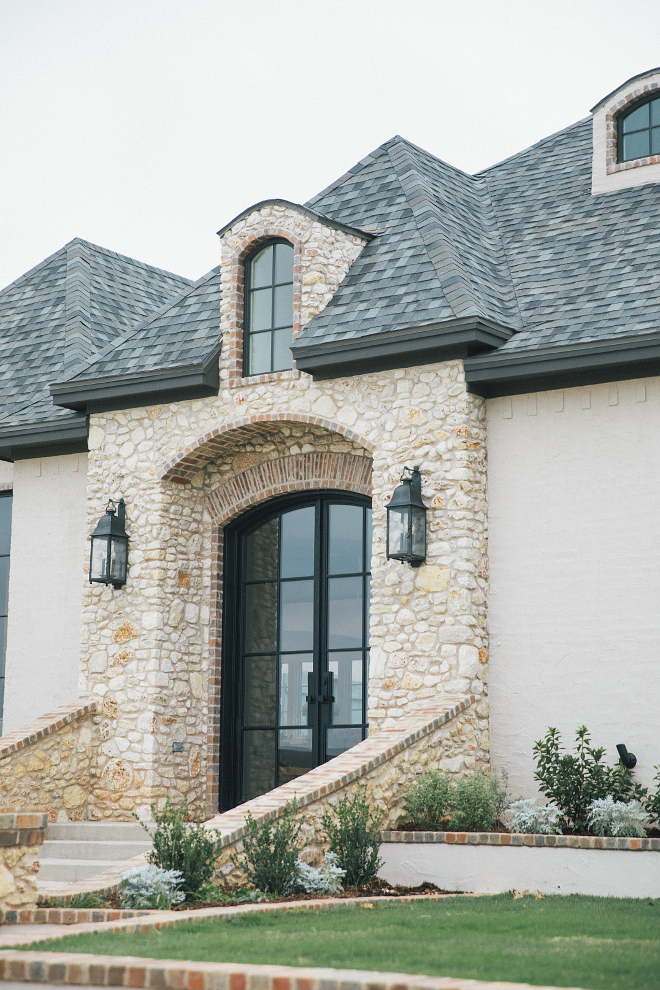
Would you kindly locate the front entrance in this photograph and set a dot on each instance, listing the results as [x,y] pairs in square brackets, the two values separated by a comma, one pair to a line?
[296,635]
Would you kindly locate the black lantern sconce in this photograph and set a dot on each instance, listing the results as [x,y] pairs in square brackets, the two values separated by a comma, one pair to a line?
[108,560]
[406,520]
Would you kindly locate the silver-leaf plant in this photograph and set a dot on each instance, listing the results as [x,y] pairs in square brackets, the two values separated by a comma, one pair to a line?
[324,880]
[531,818]
[150,887]
[610,817]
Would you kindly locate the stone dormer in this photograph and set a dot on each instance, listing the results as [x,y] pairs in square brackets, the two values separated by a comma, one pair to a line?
[614,167]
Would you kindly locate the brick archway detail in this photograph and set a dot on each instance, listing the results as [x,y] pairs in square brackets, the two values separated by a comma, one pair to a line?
[294,473]
[212,445]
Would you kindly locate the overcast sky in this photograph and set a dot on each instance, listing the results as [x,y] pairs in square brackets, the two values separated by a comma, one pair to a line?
[145,125]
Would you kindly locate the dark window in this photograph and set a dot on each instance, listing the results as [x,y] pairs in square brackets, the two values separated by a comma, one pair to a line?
[638,131]
[5,543]
[269,309]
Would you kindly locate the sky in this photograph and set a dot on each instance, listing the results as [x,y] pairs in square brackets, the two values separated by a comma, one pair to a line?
[146,125]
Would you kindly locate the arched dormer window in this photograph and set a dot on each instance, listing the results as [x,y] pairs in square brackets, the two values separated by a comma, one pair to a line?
[268,327]
[638,131]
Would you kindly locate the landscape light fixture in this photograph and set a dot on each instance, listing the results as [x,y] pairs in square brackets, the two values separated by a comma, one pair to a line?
[406,520]
[629,760]
[108,560]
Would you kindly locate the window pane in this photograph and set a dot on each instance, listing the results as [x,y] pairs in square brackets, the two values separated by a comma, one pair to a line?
[5,523]
[655,112]
[296,615]
[635,145]
[3,646]
[261,268]
[346,687]
[367,565]
[261,552]
[258,763]
[295,755]
[283,263]
[345,540]
[259,353]
[339,740]
[261,303]
[344,612]
[260,680]
[418,531]
[4,584]
[282,357]
[283,306]
[294,669]
[118,552]
[260,618]
[637,119]
[298,543]
[655,141]
[99,568]
[398,531]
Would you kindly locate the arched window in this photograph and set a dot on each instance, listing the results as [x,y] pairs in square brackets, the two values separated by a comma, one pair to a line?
[639,131]
[268,309]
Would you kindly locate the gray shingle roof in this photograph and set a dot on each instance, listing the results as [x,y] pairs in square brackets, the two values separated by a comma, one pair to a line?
[69,305]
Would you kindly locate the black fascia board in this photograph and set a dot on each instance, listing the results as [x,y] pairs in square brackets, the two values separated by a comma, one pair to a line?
[428,344]
[193,381]
[58,436]
[306,212]
[569,366]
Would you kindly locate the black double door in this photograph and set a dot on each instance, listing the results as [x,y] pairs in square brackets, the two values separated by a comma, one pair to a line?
[295,655]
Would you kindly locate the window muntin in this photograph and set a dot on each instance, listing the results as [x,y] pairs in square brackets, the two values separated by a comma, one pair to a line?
[269,309]
[639,131]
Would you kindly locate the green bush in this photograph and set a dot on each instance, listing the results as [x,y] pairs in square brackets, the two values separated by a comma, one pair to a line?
[355,838]
[429,800]
[574,781]
[478,800]
[183,845]
[270,851]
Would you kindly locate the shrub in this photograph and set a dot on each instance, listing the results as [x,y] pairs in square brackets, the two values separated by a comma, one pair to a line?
[270,849]
[354,833]
[428,802]
[324,880]
[573,781]
[184,846]
[150,887]
[478,800]
[652,803]
[610,817]
[527,816]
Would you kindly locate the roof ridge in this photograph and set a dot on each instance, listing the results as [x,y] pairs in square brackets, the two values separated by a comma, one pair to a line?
[33,270]
[382,149]
[537,144]
[125,257]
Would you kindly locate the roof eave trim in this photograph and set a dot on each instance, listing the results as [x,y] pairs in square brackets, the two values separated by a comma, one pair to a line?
[404,348]
[582,363]
[640,75]
[312,214]
[187,381]
[65,436]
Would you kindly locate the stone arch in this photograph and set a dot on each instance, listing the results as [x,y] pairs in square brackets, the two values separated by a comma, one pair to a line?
[296,472]
[216,442]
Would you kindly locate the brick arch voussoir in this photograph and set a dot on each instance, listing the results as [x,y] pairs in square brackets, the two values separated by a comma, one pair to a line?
[293,473]
[206,448]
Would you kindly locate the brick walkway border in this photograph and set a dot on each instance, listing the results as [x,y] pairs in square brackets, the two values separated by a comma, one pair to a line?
[522,839]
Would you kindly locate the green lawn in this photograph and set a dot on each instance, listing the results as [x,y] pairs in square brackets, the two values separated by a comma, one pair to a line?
[591,942]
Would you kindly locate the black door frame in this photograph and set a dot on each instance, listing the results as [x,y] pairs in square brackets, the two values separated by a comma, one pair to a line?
[230,750]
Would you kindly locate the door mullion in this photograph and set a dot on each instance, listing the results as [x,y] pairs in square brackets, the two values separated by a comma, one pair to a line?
[320,597]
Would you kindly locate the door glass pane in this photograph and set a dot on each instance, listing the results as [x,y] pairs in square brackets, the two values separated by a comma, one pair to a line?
[261,618]
[296,615]
[282,357]
[261,552]
[636,145]
[4,584]
[283,263]
[283,306]
[259,762]
[339,740]
[294,671]
[261,303]
[636,120]
[346,687]
[345,539]
[259,354]
[260,691]
[344,613]
[261,270]
[5,523]
[298,543]
[295,755]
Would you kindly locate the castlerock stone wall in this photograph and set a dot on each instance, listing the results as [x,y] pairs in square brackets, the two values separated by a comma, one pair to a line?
[151,650]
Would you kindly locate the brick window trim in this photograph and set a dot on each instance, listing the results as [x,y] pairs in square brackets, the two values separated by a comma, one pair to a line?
[235,295]
[612,115]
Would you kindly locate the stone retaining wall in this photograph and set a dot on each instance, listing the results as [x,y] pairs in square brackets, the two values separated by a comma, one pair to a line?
[21,834]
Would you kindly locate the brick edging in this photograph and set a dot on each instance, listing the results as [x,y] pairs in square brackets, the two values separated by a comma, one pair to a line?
[65,916]
[521,839]
[44,726]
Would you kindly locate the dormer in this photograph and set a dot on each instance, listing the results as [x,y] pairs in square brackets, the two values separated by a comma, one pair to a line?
[626,135]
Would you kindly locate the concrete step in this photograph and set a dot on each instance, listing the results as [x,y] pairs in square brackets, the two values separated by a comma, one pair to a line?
[70,870]
[114,831]
[92,849]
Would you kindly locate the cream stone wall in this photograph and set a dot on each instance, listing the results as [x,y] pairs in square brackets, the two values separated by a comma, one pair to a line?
[150,648]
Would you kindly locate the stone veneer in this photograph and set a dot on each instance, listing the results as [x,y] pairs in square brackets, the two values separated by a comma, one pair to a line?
[151,650]
[21,834]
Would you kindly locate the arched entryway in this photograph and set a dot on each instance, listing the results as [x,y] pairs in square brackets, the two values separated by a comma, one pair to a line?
[295,638]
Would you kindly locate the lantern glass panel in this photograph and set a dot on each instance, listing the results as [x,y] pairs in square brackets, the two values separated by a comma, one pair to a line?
[99,565]
[398,531]
[418,548]
[118,555]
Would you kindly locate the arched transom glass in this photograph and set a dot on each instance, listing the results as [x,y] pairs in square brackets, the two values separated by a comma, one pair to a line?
[269,309]
[639,131]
